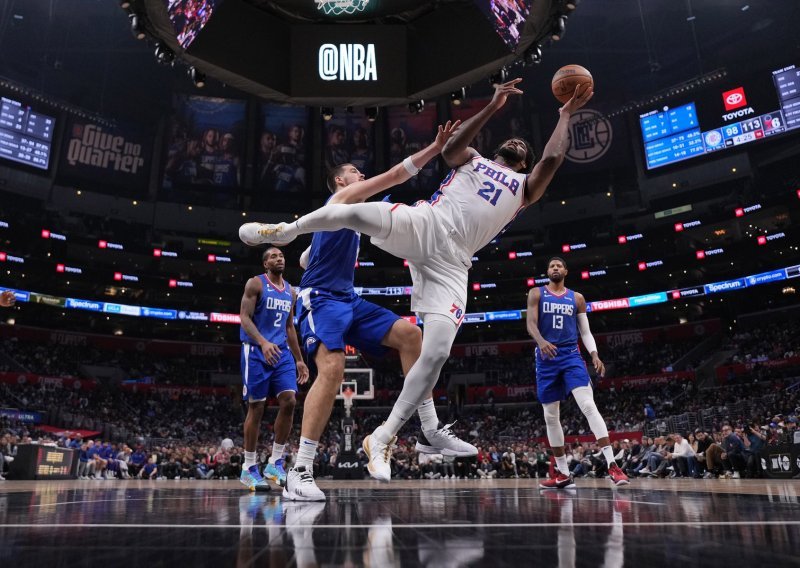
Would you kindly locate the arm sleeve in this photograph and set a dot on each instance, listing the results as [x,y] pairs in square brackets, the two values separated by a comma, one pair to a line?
[304,258]
[586,333]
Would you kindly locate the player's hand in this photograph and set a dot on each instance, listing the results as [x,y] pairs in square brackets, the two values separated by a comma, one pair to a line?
[445,132]
[501,92]
[302,373]
[7,299]
[548,350]
[599,368]
[272,353]
[583,94]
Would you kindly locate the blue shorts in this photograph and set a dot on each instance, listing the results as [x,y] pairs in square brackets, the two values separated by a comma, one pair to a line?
[557,377]
[261,380]
[338,320]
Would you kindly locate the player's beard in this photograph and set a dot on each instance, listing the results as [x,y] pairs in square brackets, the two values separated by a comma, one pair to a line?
[509,156]
[556,278]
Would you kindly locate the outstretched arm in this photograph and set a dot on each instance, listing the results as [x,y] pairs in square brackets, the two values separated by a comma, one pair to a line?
[457,151]
[363,190]
[556,148]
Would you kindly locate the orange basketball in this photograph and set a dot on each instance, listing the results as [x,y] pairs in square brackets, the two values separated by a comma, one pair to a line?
[567,79]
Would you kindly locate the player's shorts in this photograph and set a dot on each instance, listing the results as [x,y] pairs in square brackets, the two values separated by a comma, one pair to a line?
[557,377]
[338,320]
[439,264]
[260,379]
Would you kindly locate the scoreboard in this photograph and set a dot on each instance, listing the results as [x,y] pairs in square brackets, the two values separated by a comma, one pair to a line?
[738,114]
[34,461]
[25,135]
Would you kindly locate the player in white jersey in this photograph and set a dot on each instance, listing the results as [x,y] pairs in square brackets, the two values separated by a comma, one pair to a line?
[476,201]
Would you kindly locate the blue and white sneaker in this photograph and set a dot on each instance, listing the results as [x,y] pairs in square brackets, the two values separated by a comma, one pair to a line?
[252,479]
[276,473]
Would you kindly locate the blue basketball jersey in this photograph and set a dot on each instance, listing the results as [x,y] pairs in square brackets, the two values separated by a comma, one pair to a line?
[332,262]
[274,306]
[558,317]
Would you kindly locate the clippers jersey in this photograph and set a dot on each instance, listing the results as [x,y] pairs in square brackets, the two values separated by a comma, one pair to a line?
[274,306]
[478,200]
[332,262]
[558,317]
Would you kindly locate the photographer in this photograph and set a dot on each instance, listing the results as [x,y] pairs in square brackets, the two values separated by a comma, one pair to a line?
[754,441]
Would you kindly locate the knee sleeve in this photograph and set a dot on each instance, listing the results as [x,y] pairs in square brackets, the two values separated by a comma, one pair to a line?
[585,399]
[555,433]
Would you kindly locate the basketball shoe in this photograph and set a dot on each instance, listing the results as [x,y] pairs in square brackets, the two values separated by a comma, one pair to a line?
[252,479]
[379,456]
[300,486]
[560,481]
[255,234]
[617,475]
[443,441]
[276,473]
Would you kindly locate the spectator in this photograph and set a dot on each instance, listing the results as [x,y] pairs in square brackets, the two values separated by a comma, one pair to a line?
[732,452]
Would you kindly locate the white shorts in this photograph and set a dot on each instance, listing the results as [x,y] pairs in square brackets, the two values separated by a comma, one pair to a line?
[439,265]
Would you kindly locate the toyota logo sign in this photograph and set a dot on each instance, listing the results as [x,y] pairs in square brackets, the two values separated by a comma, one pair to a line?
[734,99]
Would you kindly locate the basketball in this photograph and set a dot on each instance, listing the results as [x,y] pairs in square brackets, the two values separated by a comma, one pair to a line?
[567,78]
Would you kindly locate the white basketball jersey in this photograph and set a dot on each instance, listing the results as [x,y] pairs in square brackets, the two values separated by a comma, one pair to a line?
[478,200]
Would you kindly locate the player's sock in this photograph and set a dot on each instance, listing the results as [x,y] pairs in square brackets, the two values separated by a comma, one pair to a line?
[608,453]
[561,464]
[401,412]
[277,452]
[306,453]
[366,218]
[427,415]
[249,459]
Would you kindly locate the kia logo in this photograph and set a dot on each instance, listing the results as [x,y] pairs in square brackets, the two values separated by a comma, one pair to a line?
[734,98]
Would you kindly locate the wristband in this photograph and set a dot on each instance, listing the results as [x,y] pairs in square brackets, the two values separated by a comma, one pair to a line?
[410,167]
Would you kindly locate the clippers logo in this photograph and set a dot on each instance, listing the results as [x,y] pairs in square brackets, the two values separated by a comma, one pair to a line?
[734,99]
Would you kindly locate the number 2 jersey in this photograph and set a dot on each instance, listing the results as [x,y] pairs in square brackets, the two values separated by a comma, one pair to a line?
[274,306]
[558,317]
[479,200]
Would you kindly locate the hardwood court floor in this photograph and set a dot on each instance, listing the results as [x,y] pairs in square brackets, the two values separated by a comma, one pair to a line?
[441,523]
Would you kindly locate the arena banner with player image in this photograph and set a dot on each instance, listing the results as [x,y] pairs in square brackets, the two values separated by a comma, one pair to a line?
[506,123]
[282,154]
[507,17]
[205,146]
[349,138]
[409,133]
[106,159]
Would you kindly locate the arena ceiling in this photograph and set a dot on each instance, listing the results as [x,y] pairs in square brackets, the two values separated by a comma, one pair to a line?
[82,50]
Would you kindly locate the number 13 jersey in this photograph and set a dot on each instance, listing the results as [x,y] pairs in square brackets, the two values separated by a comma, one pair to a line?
[479,200]
[558,317]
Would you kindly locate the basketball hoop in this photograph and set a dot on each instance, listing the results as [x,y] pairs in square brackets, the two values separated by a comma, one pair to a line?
[348,394]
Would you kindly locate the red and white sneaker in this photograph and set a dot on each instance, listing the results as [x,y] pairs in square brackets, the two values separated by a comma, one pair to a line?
[560,481]
[617,475]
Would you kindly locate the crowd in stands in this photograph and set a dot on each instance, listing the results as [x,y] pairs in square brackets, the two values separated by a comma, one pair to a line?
[180,434]
[777,340]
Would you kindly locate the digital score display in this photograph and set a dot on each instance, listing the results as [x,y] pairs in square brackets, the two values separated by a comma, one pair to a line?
[722,119]
[25,135]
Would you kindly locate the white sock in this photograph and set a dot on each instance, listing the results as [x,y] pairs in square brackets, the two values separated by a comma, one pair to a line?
[277,452]
[427,415]
[561,464]
[401,412]
[609,455]
[306,453]
[249,459]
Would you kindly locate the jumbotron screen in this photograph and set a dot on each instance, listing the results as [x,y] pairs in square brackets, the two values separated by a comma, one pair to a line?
[25,135]
[507,17]
[724,118]
[189,17]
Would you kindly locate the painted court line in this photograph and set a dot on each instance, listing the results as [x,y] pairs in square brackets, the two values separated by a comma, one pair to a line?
[405,526]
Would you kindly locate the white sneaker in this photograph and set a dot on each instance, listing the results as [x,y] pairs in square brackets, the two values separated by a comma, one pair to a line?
[379,456]
[736,475]
[255,234]
[444,442]
[300,486]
